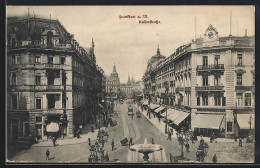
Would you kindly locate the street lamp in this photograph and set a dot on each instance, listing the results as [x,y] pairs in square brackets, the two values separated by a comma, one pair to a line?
[166,97]
[181,140]
[102,137]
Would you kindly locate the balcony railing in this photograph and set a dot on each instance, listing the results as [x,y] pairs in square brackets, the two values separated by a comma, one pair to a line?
[210,67]
[202,88]
[246,88]
[53,66]
[55,87]
[179,89]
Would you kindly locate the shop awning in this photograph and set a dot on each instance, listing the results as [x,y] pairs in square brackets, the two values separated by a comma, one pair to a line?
[182,117]
[169,112]
[52,127]
[175,114]
[145,102]
[159,109]
[211,121]
[154,106]
[244,119]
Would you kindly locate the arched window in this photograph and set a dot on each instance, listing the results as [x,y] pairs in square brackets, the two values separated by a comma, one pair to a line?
[49,39]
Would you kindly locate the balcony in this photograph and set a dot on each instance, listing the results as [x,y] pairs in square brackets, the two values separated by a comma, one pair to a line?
[52,66]
[209,88]
[53,111]
[178,89]
[245,88]
[214,67]
[55,87]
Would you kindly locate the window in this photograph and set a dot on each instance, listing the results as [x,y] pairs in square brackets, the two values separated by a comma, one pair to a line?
[37,59]
[217,100]
[223,101]
[49,39]
[38,103]
[239,79]
[13,59]
[37,80]
[247,99]
[62,60]
[217,57]
[205,80]
[38,119]
[205,60]
[26,128]
[216,81]
[198,101]
[13,81]
[50,59]
[239,99]
[239,59]
[204,99]
[229,126]
[14,102]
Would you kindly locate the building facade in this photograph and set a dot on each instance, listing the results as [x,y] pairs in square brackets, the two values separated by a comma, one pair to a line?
[51,79]
[212,78]
[113,83]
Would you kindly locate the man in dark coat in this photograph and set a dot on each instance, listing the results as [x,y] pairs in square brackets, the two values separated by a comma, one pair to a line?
[131,141]
[187,146]
[152,141]
[47,154]
[113,144]
[214,159]
[171,158]
[54,141]
[240,142]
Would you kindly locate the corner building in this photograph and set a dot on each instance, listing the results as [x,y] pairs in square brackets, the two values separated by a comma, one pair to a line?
[214,79]
[51,79]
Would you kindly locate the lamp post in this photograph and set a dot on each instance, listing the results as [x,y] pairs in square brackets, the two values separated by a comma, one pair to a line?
[166,97]
[102,137]
[250,123]
[181,140]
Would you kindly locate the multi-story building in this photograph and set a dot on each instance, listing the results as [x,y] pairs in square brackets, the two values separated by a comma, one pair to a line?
[113,83]
[149,78]
[50,79]
[214,80]
[128,87]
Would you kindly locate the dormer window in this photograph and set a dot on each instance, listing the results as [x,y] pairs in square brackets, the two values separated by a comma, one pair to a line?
[49,38]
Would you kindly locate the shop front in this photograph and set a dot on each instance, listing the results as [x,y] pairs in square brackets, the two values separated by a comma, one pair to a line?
[246,124]
[206,124]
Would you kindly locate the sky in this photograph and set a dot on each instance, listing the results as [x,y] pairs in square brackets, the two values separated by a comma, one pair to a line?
[129,44]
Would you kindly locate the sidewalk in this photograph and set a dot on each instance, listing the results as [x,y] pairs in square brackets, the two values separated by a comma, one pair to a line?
[70,141]
[161,127]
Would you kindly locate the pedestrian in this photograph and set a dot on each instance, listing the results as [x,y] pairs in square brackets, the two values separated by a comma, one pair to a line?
[214,159]
[54,141]
[152,141]
[171,158]
[192,139]
[92,128]
[159,118]
[131,141]
[240,142]
[47,154]
[112,144]
[107,157]
[187,146]
[169,136]
[96,125]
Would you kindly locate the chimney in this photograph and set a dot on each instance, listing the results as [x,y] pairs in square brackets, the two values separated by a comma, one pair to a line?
[245,32]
